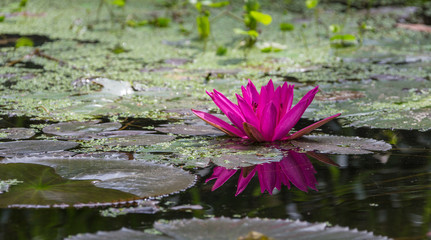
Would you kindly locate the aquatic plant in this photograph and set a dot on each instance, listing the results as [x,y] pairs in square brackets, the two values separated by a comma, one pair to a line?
[263,117]
[294,168]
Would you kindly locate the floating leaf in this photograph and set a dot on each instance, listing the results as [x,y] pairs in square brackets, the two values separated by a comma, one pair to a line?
[24,42]
[34,146]
[42,186]
[286,27]
[343,40]
[340,144]
[311,3]
[118,3]
[203,25]
[226,228]
[261,17]
[247,156]
[80,128]
[218,4]
[135,177]
[191,130]
[16,133]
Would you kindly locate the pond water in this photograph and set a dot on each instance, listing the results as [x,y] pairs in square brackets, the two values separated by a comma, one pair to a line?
[387,193]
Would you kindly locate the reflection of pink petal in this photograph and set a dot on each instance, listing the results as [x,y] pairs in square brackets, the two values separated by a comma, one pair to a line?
[244,181]
[222,175]
[267,177]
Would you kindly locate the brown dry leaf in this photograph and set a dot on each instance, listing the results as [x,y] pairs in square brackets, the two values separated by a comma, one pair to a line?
[415,27]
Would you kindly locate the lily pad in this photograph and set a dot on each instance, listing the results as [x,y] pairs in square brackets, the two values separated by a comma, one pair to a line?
[227,228]
[80,128]
[138,178]
[190,130]
[16,133]
[252,155]
[42,186]
[34,146]
[340,144]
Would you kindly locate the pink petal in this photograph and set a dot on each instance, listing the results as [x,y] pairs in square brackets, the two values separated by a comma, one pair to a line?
[263,101]
[225,105]
[310,128]
[252,132]
[268,122]
[293,115]
[289,120]
[287,98]
[246,96]
[219,124]
[230,109]
[247,111]
[270,89]
[253,93]
[243,181]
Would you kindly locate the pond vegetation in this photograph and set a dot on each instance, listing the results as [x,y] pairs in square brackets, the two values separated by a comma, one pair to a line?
[99,139]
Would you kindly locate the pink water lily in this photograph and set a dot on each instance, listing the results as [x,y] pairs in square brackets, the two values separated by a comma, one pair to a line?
[263,117]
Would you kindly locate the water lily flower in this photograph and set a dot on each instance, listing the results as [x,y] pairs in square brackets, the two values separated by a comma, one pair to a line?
[294,168]
[263,117]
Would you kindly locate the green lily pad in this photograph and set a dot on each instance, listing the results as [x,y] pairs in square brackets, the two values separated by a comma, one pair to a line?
[41,186]
[80,128]
[16,133]
[189,130]
[227,228]
[34,146]
[340,144]
[135,177]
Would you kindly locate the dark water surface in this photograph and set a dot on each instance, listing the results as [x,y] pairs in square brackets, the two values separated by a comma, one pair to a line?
[388,193]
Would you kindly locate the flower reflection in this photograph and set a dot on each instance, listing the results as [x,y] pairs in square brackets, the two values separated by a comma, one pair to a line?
[295,168]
